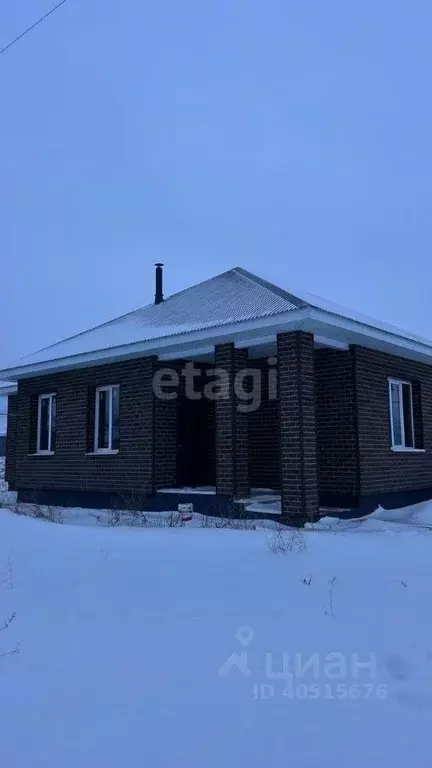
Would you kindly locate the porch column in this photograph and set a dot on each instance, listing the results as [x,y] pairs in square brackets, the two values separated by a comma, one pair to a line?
[232,444]
[296,391]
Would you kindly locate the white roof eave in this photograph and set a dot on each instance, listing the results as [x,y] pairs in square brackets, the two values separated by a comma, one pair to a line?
[317,321]
[214,335]
[8,389]
[363,334]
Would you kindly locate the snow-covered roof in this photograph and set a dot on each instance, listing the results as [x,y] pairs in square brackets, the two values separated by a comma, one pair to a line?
[228,298]
[233,302]
[333,308]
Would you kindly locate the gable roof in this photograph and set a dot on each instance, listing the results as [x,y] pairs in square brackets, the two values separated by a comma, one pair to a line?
[231,299]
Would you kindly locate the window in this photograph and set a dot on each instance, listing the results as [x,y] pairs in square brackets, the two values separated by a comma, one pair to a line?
[46,426]
[401,414]
[107,419]
[3,414]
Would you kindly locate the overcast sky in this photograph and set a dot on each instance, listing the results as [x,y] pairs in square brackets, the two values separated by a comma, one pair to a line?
[290,138]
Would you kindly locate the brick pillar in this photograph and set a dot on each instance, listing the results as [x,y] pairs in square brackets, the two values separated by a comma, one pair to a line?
[298,462]
[232,444]
[166,432]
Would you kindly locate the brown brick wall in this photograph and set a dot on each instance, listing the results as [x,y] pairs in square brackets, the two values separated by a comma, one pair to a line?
[166,418]
[336,424]
[168,430]
[296,387]
[70,468]
[324,397]
[11,441]
[264,465]
[382,469]
[232,447]
[241,434]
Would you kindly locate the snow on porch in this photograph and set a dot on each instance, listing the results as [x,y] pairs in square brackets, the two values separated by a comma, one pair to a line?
[261,501]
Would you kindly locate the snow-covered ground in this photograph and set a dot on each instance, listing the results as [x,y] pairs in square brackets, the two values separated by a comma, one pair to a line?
[404,520]
[165,646]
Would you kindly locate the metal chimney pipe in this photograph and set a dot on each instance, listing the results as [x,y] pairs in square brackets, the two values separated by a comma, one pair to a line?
[159,289]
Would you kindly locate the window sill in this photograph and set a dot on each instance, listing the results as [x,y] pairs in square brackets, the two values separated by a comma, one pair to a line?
[42,453]
[402,449]
[106,452]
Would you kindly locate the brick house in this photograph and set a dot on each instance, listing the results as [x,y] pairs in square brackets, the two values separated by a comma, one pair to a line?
[229,385]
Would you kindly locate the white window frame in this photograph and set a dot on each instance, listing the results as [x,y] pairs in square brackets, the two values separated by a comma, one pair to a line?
[402,445]
[108,388]
[49,396]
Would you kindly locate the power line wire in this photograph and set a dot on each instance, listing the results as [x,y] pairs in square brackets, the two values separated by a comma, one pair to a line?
[29,29]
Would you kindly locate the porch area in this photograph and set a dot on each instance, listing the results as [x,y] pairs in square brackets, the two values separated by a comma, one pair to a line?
[265,439]
[263,502]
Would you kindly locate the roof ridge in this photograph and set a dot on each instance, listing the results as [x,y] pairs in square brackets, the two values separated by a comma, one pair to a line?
[291,297]
[196,285]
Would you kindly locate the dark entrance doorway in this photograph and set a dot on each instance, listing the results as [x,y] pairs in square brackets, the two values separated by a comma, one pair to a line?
[196,456]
